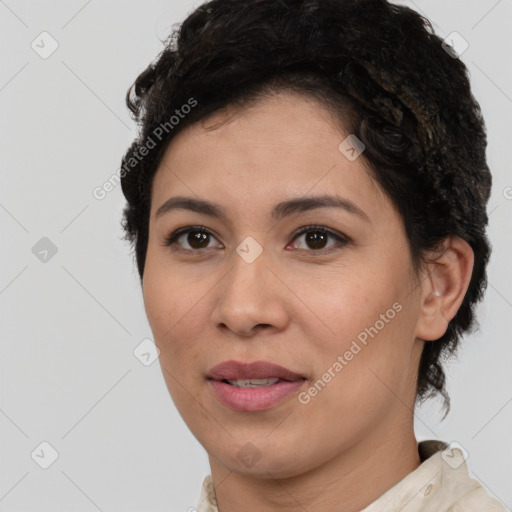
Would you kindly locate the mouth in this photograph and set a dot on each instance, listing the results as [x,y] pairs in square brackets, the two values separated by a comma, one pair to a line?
[253,383]
[259,370]
[253,386]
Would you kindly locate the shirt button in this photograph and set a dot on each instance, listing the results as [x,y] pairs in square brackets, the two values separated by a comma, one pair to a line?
[428,490]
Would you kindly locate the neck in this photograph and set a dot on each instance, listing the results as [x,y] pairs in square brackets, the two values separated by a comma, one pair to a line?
[348,482]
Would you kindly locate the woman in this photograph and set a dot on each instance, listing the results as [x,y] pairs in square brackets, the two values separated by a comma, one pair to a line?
[307,202]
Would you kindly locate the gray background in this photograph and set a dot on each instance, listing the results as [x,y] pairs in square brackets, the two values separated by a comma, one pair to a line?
[70,323]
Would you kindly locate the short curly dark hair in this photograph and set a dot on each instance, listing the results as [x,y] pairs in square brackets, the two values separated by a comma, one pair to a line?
[384,73]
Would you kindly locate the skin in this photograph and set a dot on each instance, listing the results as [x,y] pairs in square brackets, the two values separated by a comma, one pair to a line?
[297,304]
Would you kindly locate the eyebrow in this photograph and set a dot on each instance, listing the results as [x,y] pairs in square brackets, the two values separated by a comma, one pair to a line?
[280,210]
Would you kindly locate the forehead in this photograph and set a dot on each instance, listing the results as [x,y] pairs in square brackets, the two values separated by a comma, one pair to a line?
[284,147]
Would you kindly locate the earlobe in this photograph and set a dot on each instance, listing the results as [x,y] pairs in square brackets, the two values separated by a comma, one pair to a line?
[444,287]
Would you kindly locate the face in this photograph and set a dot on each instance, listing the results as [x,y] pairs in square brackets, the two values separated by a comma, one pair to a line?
[326,292]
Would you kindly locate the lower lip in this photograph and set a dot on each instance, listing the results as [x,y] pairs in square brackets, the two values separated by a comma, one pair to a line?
[254,399]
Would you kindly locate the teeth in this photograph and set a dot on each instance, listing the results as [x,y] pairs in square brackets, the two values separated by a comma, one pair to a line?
[252,383]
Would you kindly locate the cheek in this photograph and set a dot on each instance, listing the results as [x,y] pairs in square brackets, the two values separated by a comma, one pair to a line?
[376,370]
[171,327]
[176,311]
[165,297]
[365,339]
[348,306]
[161,294]
[158,301]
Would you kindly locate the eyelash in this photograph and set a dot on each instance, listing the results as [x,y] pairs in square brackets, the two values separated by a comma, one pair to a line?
[341,239]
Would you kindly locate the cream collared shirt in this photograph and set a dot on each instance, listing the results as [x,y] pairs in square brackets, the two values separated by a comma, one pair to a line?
[440,484]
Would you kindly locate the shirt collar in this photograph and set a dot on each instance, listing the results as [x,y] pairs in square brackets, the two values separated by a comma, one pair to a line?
[441,468]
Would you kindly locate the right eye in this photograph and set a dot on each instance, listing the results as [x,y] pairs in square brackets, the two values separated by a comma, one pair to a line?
[196,237]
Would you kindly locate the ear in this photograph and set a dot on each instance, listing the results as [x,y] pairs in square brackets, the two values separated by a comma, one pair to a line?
[444,286]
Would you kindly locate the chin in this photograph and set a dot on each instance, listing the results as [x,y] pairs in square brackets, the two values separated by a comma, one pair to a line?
[262,463]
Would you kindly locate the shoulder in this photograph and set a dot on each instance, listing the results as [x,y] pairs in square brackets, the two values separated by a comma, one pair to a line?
[477,500]
[440,484]
[456,490]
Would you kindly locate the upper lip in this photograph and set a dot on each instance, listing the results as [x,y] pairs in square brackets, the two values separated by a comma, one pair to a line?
[231,370]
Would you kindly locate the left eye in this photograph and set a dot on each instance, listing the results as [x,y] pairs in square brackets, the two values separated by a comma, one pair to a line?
[317,235]
[197,237]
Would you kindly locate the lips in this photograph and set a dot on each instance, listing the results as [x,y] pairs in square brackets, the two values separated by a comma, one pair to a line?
[222,377]
[231,370]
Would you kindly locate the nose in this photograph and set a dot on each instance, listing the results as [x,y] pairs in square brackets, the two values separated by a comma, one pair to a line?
[251,298]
